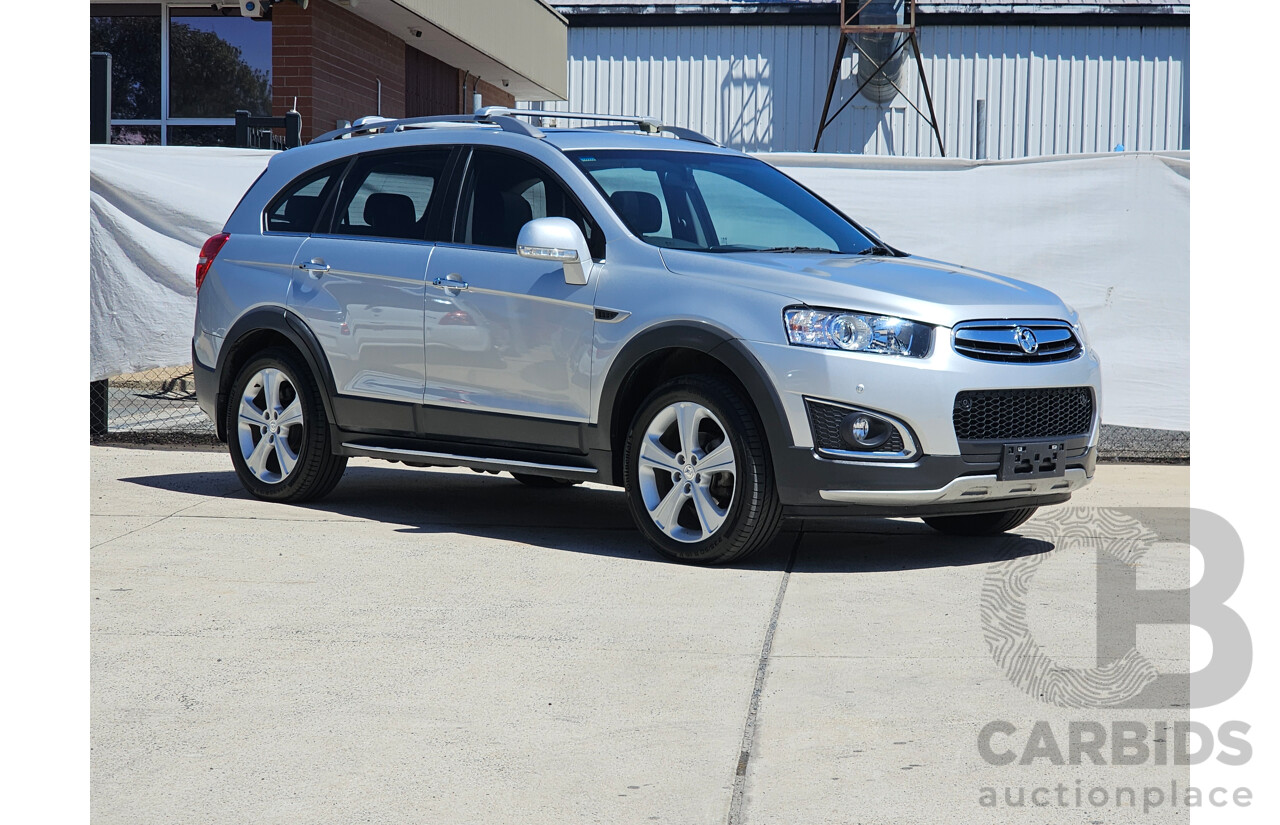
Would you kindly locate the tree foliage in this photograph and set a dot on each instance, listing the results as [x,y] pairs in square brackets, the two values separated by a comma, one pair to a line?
[208,76]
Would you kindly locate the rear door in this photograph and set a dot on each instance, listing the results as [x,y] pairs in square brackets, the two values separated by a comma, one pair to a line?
[361,284]
[504,333]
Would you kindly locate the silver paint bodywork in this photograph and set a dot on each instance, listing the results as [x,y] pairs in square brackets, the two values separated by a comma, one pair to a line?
[533,347]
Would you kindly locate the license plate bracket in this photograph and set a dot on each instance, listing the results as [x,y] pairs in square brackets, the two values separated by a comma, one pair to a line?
[1034,459]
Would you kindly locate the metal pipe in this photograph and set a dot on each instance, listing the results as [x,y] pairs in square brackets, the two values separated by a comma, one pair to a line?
[980,149]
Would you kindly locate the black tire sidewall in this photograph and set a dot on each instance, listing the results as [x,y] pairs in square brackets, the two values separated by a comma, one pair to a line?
[315,435]
[712,394]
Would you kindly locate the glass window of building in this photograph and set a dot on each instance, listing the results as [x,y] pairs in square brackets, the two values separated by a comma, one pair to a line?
[180,73]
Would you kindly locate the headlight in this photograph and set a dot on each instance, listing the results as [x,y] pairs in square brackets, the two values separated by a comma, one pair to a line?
[857,332]
[1078,327]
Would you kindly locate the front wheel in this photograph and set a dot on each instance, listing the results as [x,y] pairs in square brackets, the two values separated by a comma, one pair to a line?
[698,477]
[277,431]
[981,524]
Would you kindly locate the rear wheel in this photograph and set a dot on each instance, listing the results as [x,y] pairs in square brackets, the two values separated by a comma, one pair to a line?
[698,477]
[277,432]
[980,524]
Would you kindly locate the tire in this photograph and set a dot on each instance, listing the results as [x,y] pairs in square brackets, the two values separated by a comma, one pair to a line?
[543,482]
[980,524]
[714,517]
[277,432]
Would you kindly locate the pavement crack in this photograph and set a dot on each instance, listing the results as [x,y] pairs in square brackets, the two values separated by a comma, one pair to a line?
[762,668]
[162,518]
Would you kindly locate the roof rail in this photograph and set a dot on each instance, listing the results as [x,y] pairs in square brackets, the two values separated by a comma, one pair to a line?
[386,125]
[648,125]
[505,119]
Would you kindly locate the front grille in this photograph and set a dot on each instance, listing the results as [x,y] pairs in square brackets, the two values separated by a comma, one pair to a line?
[1010,414]
[825,420]
[1016,342]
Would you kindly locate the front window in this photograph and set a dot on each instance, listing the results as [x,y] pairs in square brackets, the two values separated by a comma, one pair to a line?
[717,203]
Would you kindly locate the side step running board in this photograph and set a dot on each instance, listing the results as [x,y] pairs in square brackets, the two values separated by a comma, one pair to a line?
[474,462]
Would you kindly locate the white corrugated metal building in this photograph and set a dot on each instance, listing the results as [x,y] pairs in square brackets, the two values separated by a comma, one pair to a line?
[1050,76]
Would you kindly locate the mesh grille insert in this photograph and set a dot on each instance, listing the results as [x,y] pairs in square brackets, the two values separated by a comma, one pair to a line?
[1007,414]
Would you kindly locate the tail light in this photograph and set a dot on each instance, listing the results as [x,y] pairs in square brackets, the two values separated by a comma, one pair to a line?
[207,253]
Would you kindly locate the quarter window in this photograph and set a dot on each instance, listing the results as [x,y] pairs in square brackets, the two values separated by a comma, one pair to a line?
[297,209]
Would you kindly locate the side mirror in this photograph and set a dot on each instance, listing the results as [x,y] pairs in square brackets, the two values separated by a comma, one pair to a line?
[556,239]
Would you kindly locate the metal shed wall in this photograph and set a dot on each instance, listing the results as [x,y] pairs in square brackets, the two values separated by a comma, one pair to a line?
[1048,89]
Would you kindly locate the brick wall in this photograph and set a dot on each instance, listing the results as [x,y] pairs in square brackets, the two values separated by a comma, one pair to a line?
[332,60]
[492,95]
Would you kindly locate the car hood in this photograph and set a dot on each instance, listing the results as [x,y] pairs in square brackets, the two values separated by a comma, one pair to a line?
[918,289]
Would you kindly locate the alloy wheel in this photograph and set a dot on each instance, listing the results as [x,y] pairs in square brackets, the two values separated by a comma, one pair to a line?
[270,425]
[688,472]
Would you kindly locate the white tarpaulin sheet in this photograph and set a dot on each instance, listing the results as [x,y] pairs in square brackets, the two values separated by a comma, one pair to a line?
[1109,233]
[150,210]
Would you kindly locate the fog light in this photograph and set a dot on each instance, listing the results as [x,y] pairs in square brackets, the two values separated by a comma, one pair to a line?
[861,431]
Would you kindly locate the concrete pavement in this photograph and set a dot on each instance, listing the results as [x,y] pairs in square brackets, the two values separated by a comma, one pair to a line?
[442,646]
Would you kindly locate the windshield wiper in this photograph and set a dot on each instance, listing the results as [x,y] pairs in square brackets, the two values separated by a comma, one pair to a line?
[876,250]
[819,249]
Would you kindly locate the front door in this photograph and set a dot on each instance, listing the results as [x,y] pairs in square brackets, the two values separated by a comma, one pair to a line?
[504,333]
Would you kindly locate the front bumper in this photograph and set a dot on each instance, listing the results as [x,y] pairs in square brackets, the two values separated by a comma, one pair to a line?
[917,391]
[809,485]
[945,476]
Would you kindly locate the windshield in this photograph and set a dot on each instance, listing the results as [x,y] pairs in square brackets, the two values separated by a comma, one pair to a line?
[717,203]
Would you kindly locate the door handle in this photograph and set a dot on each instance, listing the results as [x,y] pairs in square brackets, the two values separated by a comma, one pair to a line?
[451,282]
[315,266]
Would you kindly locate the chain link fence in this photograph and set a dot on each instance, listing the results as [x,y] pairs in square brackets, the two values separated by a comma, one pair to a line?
[159,407]
[153,407]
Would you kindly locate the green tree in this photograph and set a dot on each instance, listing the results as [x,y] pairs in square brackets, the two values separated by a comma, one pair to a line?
[134,46]
[209,77]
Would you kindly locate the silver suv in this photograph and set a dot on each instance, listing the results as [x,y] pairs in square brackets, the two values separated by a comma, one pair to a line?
[614,305]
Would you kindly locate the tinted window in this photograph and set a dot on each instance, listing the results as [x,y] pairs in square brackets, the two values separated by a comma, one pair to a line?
[132,39]
[504,192]
[298,207]
[389,195]
[716,203]
[218,64]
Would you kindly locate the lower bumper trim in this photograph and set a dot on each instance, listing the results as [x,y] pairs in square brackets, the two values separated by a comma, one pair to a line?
[967,488]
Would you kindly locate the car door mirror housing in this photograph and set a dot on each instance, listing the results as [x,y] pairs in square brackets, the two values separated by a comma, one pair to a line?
[556,239]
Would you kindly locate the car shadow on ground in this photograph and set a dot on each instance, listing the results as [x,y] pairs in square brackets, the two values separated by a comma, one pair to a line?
[598,522]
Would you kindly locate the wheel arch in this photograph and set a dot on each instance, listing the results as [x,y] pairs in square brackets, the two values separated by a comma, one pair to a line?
[683,348]
[260,329]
